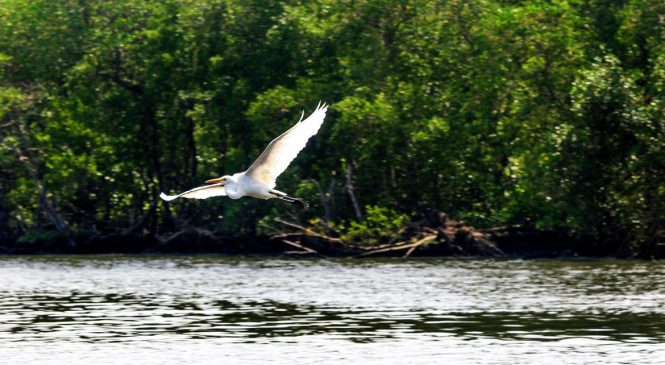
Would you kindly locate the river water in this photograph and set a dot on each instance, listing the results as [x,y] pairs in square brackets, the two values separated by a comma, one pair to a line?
[220,310]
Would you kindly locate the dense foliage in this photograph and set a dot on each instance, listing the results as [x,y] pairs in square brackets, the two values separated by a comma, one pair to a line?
[548,114]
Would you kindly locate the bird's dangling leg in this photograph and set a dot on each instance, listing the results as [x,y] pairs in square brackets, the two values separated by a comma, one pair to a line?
[294,200]
[299,201]
[290,199]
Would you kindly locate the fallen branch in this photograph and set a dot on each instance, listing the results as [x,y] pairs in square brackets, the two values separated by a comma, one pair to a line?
[443,236]
[420,242]
[387,249]
[410,246]
[305,249]
[387,245]
[307,232]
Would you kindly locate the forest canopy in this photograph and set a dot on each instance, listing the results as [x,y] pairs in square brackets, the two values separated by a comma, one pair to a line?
[543,114]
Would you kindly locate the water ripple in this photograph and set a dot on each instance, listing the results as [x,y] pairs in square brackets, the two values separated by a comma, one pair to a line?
[510,307]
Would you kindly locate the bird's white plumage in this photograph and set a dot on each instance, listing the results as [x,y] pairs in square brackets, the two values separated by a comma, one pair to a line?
[282,150]
[259,180]
[202,192]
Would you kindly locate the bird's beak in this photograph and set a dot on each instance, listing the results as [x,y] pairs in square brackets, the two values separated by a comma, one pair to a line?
[214,181]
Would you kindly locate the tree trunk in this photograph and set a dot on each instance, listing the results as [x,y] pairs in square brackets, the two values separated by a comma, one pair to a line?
[325,201]
[50,212]
[350,191]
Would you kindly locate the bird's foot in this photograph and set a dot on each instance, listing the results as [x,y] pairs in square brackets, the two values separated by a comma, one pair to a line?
[293,200]
[300,202]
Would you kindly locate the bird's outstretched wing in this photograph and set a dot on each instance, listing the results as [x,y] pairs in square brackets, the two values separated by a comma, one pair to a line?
[202,192]
[283,149]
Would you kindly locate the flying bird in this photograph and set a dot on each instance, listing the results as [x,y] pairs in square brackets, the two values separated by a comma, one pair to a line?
[259,180]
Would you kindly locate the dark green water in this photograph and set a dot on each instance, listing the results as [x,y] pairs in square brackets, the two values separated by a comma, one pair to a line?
[212,310]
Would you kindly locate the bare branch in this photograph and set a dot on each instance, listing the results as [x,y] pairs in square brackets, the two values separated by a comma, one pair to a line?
[306,249]
[399,247]
[419,243]
[309,232]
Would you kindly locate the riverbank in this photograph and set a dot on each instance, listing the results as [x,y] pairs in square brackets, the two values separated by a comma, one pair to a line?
[432,236]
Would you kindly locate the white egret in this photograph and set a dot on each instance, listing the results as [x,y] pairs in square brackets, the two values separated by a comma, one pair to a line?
[259,179]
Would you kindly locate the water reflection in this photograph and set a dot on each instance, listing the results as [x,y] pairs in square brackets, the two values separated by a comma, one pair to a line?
[112,316]
[116,300]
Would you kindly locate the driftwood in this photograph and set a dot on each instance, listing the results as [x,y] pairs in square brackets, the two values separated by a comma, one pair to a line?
[409,246]
[419,243]
[434,235]
[303,249]
[304,230]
